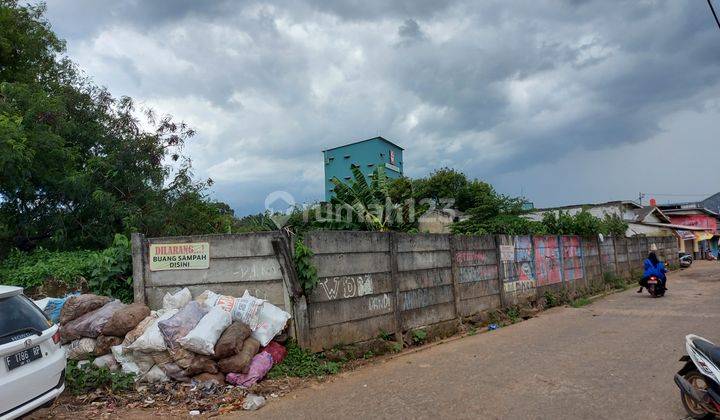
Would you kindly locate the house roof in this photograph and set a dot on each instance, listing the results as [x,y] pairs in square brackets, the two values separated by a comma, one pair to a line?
[607,203]
[670,226]
[692,211]
[642,213]
[363,141]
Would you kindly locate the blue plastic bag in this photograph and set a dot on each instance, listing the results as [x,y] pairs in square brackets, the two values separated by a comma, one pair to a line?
[54,306]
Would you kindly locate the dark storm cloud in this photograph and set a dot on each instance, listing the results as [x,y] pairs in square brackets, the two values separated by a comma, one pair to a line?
[487,87]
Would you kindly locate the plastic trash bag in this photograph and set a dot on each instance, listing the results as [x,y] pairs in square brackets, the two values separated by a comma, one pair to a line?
[152,339]
[180,324]
[140,329]
[177,300]
[245,309]
[144,361]
[277,351]
[206,333]
[90,324]
[253,402]
[259,367]
[125,358]
[271,321]
[76,306]
[236,363]
[216,378]
[155,375]
[231,340]
[42,303]
[107,361]
[81,349]
[125,319]
[105,342]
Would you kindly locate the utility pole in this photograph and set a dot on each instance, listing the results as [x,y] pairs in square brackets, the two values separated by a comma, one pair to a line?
[640,197]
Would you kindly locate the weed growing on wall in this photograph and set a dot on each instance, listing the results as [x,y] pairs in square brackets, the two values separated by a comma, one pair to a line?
[306,271]
[419,336]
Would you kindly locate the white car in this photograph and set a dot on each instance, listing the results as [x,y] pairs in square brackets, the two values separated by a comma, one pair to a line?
[32,363]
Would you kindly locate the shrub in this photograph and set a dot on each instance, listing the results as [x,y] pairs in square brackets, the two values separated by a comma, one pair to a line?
[80,380]
[302,363]
[107,272]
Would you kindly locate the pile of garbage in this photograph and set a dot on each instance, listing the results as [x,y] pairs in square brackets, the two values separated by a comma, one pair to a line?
[212,337]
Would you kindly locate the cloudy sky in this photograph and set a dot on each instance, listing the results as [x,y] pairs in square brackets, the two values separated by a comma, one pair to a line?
[564,101]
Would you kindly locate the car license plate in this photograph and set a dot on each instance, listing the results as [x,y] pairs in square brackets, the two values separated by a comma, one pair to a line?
[651,281]
[23,357]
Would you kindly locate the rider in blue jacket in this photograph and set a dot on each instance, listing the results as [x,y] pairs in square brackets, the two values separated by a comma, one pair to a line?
[654,267]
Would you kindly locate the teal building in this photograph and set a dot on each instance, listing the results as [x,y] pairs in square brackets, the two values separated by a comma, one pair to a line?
[367,154]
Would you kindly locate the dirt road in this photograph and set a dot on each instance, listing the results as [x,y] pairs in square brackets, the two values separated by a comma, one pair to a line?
[612,359]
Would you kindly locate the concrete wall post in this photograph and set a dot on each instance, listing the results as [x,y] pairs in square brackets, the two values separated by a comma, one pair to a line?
[139,257]
[392,242]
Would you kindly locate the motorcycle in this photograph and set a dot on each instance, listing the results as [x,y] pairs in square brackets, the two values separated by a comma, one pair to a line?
[653,286]
[685,260]
[699,379]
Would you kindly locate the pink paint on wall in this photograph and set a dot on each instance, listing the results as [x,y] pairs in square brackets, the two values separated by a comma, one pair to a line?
[696,220]
[547,260]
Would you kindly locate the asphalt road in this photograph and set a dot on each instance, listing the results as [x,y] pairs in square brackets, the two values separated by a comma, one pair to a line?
[612,359]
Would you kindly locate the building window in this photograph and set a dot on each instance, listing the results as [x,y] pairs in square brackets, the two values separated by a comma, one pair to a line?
[331,159]
[347,156]
[370,165]
[347,178]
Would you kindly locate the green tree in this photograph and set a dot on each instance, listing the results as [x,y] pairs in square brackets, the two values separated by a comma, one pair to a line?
[76,166]
[442,184]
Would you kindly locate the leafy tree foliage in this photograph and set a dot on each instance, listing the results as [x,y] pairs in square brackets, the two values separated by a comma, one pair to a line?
[367,206]
[76,163]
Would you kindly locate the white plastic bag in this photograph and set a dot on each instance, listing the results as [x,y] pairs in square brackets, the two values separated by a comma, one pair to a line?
[81,349]
[177,300]
[154,375]
[206,333]
[245,309]
[125,358]
[107,361]
[42,303]
[152,339]
[272,321]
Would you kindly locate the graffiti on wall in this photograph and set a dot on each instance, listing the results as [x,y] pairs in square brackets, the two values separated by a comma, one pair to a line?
[477,273]
[344,287]
[547,260]
[572,257]
[473,257]
[379,303]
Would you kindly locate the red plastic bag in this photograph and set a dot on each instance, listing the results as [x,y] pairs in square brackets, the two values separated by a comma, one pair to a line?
[277,351]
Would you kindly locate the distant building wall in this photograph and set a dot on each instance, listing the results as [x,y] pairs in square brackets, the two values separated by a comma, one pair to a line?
[367,155]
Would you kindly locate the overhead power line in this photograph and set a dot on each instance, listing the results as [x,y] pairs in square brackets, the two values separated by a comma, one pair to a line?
[712,9]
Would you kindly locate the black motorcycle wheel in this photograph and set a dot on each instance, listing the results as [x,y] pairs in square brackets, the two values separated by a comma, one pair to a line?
[694,409]
[651,288]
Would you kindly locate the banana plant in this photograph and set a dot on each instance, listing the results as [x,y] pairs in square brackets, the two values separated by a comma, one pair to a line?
[369,204]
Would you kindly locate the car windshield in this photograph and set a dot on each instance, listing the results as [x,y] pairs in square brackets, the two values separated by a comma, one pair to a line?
[20,318]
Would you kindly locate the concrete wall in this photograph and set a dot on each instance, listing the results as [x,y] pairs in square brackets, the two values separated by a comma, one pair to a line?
[373,282]
[400,282]
[237,263]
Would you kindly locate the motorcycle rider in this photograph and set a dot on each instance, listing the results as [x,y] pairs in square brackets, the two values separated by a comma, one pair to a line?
[654,267]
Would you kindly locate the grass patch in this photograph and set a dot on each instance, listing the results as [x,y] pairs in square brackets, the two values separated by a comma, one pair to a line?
[419,336]
[580,302]
[303,363]
[89,377]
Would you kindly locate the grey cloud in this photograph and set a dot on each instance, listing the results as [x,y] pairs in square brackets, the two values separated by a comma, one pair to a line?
[491,88]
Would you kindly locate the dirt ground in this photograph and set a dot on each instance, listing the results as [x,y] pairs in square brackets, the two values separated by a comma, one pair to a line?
[614,358]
